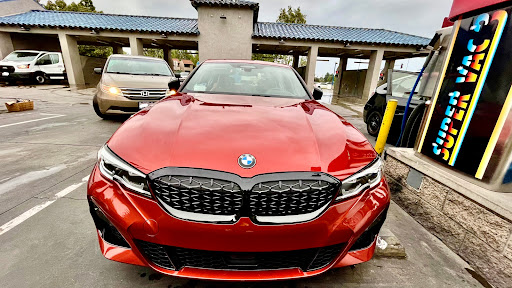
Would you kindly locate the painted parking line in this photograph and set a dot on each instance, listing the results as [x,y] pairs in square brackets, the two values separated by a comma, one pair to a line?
[36,209]
[34,120]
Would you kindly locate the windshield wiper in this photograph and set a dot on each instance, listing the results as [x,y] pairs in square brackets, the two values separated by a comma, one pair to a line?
[154,74]
[124,73]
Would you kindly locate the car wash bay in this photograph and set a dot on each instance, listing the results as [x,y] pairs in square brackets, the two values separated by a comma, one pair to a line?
[49,240]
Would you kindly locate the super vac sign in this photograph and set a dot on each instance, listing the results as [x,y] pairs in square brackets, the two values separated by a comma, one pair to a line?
[474,99]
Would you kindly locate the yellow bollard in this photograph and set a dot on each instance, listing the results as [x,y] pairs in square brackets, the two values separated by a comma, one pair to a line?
[386,125]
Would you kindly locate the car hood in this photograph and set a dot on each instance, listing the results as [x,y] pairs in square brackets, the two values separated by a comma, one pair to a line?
[212,131]
[135,81]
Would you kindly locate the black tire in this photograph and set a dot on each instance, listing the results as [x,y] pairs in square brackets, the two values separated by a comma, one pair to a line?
[97,110]
[373,123]
[40,78]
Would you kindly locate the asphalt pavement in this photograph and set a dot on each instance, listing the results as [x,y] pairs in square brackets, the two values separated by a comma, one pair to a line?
[48,238]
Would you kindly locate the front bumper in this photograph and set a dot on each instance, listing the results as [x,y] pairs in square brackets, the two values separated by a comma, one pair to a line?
[118,105]
[139,219]
[16,76]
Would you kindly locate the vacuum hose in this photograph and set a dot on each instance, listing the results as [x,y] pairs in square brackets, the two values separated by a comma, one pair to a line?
[427,61]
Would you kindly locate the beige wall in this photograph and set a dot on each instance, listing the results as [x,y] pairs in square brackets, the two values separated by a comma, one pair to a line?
[229,38]
[88,65]
[39,42]
[18,6]
[6,45]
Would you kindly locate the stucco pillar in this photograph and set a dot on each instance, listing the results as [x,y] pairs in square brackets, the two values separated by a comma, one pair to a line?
[136,46]
[168,57]
[341,68]
[69,48]
[6,46]
[390,64]
[117,49]
[310,69]
[296,60]
[372,75]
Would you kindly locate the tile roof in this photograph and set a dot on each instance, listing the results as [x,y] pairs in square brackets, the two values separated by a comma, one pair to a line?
[80,20]
[287,31]
[235,3]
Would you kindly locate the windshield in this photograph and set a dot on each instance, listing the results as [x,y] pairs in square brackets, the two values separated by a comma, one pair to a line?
[21,56]
[138,66]
[247,79]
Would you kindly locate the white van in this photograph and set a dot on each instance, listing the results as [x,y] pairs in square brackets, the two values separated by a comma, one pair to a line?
[36,66]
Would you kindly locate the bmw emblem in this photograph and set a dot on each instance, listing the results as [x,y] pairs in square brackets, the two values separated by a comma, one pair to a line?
[247,161]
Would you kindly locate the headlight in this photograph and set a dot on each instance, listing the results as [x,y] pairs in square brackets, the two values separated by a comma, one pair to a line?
[24,66]
[111,90]
[170,92]
[116,169]
[365,179]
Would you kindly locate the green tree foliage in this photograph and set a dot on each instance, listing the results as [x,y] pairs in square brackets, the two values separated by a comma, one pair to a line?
[328,77]
[82,6]
[95,51]
[291,15]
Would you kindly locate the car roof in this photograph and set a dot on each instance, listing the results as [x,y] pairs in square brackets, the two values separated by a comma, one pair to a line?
[134,57]
[33,51]
[248,62]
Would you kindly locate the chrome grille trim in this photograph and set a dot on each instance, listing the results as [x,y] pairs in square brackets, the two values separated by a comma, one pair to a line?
[137,93]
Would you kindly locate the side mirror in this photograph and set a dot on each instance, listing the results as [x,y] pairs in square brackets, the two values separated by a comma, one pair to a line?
[174,84]
[318,93]
[98,70]
[177,75]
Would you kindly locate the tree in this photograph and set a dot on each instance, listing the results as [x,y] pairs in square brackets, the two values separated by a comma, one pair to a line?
[291,15]
[328,77]
[82,6]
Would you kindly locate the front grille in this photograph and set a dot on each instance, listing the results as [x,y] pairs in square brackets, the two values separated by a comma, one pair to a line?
[7,68]
[199,195]
[292,197]
[156,254]
[279,198]
[143,94]
[178,258]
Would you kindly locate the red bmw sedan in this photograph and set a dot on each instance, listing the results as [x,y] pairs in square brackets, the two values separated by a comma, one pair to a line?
[241,175]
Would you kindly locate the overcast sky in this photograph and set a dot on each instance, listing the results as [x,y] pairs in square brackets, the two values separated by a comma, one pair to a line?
[418,17]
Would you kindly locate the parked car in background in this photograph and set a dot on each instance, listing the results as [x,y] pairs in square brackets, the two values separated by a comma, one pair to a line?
[130,83]
[402,84]
[184,75]
[242,175]
[35,66]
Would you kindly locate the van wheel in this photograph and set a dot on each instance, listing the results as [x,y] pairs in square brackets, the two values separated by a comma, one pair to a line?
[97,110]
[40,78]
[373,123]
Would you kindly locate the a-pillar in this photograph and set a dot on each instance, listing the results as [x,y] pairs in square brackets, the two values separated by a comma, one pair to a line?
[310,69]
[136,46]
[118,49]
[69,48]
[341,69]
[372,75]
[296,60]
[6,46]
